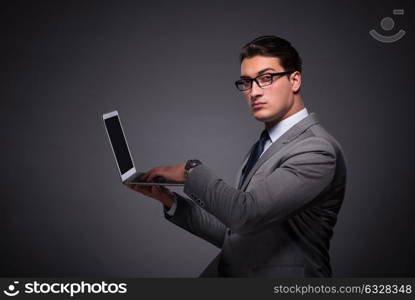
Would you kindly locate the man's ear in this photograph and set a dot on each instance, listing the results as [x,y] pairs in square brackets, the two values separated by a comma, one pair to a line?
[295,79]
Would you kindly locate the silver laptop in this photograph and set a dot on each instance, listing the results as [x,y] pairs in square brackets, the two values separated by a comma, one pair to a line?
[122,154]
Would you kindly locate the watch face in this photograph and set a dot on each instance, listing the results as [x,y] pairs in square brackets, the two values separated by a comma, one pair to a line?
[192,163]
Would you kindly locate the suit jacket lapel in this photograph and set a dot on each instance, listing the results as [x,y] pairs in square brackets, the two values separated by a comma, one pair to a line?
[287,137]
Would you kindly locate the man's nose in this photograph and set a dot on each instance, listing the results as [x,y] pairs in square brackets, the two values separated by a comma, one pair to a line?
[256,90]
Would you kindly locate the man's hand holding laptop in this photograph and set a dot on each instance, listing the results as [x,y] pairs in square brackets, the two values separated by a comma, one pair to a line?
[158,192]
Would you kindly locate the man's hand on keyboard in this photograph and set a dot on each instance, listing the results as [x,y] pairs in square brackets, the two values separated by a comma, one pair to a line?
[174,172]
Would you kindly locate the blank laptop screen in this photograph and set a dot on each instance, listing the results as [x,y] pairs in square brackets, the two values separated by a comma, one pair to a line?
[119,144]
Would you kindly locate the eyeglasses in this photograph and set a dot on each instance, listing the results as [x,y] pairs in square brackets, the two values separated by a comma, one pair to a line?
[245,84]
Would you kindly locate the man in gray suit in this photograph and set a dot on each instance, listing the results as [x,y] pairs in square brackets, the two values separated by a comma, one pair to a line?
[279,220]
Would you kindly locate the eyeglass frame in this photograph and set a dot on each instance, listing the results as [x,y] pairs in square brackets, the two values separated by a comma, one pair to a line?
[255,79]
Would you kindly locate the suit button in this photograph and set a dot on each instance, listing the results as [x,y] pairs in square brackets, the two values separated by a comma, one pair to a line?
[202,204]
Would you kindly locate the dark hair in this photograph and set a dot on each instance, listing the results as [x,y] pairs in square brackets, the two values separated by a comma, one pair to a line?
[275,47]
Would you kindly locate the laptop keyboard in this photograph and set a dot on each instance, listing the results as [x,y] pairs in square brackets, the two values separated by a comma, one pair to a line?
[157,179]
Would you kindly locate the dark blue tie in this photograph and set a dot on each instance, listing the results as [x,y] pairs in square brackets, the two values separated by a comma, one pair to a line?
[255,154]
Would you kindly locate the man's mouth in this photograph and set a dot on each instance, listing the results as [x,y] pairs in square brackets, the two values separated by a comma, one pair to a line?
[257,105]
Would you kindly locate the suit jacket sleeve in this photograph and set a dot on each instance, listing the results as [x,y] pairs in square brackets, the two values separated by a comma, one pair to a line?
[197,221]
[300,177]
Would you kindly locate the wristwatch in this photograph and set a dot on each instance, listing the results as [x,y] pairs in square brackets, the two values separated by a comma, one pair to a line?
[190,164]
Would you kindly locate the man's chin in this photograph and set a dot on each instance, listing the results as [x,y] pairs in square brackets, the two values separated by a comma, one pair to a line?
[266,118]
[263,117]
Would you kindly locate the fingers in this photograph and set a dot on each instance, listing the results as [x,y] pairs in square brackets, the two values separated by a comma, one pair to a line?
[159,190]
[152,173]
[153,191]
[141,189]
[174,172]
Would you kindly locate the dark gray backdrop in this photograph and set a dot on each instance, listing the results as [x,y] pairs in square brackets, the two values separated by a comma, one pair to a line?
[168,67]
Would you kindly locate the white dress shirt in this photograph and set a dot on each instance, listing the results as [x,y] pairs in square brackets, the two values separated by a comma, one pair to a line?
[282,127]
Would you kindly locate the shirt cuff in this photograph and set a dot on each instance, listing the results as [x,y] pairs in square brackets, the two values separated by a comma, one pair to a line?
[170,211]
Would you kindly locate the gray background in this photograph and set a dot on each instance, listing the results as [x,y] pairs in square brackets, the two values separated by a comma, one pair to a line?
[168,67]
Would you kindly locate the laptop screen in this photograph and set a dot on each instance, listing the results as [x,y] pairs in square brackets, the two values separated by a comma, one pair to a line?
[119,144]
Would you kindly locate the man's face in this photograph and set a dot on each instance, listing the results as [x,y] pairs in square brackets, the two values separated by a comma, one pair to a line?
[272,102]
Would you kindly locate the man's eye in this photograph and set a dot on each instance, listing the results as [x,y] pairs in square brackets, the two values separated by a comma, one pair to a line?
[265,78]
[246,82]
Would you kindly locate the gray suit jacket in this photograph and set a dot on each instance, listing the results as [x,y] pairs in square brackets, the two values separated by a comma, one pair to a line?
[279,222]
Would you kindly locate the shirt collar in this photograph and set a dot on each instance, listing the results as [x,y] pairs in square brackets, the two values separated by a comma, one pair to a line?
[282,126]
